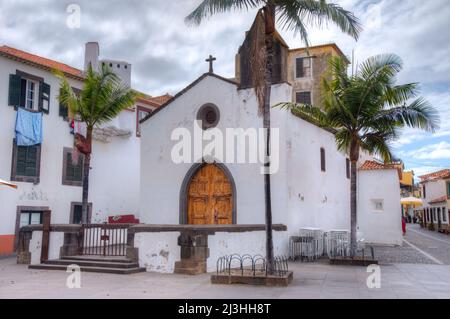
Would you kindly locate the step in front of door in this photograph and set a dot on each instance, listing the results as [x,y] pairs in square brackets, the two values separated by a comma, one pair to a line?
[92,263]
[103,269]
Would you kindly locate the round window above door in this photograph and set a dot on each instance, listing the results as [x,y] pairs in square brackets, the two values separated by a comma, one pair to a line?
[209,115]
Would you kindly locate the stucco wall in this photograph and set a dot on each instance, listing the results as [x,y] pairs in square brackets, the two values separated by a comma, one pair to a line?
[316,198]
[380,226]
[158,252]
[252,243]
[161,178]
[302,195]
[36,247]
[434,190]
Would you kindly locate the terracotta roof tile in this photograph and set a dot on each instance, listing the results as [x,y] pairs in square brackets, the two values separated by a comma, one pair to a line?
[162,99]
[438,200]
[154,101]
[23,56]
[372,166]
[436,175]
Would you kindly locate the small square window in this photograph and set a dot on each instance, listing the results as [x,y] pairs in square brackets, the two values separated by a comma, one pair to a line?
[378,205]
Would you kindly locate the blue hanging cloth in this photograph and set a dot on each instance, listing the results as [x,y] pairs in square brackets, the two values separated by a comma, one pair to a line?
[28,128]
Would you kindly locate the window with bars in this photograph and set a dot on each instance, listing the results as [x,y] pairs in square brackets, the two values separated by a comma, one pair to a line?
[72,168]
[26,163]
[303,98]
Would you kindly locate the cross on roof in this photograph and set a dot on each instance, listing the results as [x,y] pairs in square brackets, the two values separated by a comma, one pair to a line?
[211,60]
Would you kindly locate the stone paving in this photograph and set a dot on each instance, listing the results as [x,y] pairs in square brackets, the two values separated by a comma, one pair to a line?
[433,243]
[311,281]
[419,270]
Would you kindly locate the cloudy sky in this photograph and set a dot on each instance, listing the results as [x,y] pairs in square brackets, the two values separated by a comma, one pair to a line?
[167,55]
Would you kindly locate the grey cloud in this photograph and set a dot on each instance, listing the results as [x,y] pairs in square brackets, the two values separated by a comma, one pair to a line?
[167,55]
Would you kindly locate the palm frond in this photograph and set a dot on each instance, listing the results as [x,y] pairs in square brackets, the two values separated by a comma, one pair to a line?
[102,98]
[290,20]
[318,12]
[209,8]
[387,65]
[419,114]
[308,112]
[400,94]
[377,143]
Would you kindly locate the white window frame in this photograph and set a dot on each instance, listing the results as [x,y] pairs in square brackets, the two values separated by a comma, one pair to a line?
[311,67]
[34,95]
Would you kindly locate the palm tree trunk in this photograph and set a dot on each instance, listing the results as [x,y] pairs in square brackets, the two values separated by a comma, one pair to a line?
[269,14]
[86,170]
[353,209]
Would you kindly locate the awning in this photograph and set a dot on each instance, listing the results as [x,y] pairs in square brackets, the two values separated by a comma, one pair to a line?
[2,182]
[413,201]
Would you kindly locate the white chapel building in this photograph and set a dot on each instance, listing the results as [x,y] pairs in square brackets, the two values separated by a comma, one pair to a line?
[311,187]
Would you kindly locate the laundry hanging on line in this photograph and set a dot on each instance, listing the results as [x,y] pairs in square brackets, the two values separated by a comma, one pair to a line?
[78,127]
[28,127]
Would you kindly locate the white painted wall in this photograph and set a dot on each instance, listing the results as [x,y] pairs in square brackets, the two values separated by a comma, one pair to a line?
[380,226]
[36,247]
[253,243]
[55,243]
[316,198]
[114,179]
[158,252]
[161,178]
[302,195]
[434,189]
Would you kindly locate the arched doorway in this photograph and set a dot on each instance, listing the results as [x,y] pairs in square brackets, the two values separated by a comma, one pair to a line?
[208,196]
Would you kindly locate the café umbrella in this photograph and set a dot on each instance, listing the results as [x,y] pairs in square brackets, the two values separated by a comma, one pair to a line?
[411,201]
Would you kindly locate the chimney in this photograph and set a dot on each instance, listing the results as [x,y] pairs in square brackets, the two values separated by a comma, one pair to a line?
[91,54]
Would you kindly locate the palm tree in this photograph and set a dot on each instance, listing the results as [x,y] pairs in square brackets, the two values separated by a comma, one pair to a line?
[292,15]
[367,110]
[102,98]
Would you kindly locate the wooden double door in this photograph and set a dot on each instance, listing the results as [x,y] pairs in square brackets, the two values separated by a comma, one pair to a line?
[210,197]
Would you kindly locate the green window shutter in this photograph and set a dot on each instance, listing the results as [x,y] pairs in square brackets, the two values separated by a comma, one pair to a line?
[44,97]
[27,161]
[15,90]
[448,189]
[21,162]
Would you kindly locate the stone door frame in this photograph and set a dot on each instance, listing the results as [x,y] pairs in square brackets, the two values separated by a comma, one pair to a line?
[184,192]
